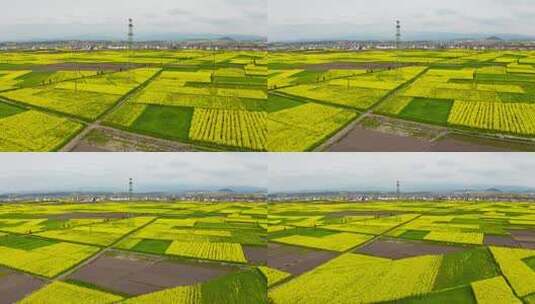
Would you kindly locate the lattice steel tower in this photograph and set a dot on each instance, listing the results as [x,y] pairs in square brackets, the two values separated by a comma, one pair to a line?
[130,42]
[130,188]
[130,34]
[398,34]
[398,191]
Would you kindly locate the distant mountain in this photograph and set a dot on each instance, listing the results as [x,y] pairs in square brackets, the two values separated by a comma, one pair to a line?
[496,190]
[494,38]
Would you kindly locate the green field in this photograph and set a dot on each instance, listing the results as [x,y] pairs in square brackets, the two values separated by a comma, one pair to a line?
[247,101]
[55,244]
[483,92]
[212,100]
[318,252]
[402,252]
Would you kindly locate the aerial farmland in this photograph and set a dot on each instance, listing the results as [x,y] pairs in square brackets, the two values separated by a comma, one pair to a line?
[401,100]
[193,100]
[401,252]
[181,252]
[123,101]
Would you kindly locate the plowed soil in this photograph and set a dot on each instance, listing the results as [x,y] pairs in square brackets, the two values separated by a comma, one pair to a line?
[296,260]
[136,275]
[400,249]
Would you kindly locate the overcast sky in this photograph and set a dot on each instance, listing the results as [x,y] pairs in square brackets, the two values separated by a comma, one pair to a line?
[313,19]
[49,172]
[35,19]
[416,171]
[288,172]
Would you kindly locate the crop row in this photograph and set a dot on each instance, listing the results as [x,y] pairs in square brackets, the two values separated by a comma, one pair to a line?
[229,252]
[513,118]
[229,128]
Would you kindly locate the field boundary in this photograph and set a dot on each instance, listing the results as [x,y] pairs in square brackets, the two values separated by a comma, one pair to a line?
[322,147]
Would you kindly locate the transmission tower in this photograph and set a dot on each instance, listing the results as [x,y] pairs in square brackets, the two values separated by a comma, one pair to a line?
[398,34]
[130,42]
[130,188]
[398,191]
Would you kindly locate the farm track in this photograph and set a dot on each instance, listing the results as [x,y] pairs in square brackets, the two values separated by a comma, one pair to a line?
[505,278]
[156,144]
[341,134]
[51,111]
[97,124]
[61,81]
[43,109]
[78,266]
[101,252]
[500,138]
[376,237]
[76,140]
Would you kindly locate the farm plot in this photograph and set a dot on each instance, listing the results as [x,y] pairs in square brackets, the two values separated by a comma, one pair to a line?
[273,276]
[487,92]
[303,126]
[33,225]
[330,241]
[21,79]
[361,279]
[514,267]
[296,260]
[86,98]
[511,118]
[62,292]
[33,131]
[136,275]
[359,92]
[444,247]
[98,234]
[492,290]
[242,288]
[42,257]
[212,238]
[228,252]
[222,108]
[490,99]
[9,79]
[208,101]
[15,286]
[229,128]
[204,89]
[282,78]
[172,252]
[371,226]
